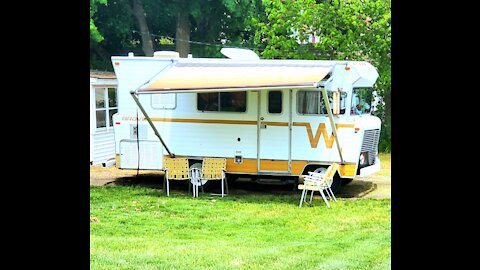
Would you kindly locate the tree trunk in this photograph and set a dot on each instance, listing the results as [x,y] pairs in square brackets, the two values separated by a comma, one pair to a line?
[140,15]
[182,36]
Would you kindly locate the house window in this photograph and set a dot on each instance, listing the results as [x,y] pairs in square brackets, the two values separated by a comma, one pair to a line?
[222,101]
[105,106]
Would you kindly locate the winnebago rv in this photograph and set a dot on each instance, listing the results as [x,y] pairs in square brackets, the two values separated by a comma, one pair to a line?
[268,118]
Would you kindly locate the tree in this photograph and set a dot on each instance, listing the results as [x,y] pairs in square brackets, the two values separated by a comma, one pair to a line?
[347,29]
[210,23]
[140,15]
[95,36]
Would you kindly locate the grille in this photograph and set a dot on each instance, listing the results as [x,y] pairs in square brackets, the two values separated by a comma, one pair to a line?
[370,144]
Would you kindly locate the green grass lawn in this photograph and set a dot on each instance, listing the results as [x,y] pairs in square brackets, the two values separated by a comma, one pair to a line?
[141,228]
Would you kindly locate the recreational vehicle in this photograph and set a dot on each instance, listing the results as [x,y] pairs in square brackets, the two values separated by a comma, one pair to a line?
[269,118]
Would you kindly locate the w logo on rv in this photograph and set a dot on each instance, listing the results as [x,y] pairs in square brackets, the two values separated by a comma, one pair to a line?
[321,130]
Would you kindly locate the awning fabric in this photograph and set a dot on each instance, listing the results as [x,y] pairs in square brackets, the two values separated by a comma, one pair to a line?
[227,74]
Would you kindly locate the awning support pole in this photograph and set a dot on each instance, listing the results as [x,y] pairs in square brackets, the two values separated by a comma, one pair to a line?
[151,123]
[330,116]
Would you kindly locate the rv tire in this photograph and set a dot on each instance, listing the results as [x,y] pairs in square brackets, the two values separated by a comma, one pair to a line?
[337,181]
[345,181]
[207,185]
[336,184]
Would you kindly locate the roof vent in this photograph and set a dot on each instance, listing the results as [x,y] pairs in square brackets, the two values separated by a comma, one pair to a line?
[239,54]
[166,54]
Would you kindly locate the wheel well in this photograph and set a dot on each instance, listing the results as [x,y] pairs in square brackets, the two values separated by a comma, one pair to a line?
[312,167]
[337,178]
[193,161]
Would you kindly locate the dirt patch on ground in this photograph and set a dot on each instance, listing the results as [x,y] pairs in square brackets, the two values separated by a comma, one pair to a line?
[374,186]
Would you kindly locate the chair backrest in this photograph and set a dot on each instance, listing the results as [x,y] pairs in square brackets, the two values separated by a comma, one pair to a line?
[212,168]
[330,172]
[177,168]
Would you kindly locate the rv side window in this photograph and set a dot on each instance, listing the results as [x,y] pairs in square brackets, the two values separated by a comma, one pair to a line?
[275,102]
[361,101]
[105,106]
[222,101]
[310,102]
[164,101]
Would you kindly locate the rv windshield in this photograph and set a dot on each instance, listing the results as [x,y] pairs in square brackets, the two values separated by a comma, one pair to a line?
[361,101]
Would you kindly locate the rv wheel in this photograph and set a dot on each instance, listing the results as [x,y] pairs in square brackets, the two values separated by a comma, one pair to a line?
[345,181]
[337,181]
[205,183]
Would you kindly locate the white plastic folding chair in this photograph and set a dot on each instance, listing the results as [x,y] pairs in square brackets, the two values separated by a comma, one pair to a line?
[319,182]
[196,181]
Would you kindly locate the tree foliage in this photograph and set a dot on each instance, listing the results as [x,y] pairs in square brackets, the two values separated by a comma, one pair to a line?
[95,36]
[344,30]
[213,24]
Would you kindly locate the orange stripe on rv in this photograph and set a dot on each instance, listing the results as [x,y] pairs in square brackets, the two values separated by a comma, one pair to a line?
[313,139]
[204,121]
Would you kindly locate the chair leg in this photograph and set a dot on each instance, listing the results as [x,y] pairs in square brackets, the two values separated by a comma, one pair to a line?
[192,186]
[324,198]
[226,186]
[222,186]
[163,187]
[302,198]
[168,188]
[328,194]
[311,196]
[333,195]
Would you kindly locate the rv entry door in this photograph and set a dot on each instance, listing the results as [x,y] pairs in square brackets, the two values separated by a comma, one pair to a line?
[274,131]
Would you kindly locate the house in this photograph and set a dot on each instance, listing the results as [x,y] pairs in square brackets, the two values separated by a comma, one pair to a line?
[103,104]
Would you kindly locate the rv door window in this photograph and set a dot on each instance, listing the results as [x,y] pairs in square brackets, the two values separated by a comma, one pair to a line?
[222,101]
[275,102]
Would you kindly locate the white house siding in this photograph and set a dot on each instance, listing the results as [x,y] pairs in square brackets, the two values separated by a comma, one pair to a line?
[103,147]
[102,142]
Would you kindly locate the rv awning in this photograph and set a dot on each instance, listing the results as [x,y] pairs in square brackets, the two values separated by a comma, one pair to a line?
[229,75]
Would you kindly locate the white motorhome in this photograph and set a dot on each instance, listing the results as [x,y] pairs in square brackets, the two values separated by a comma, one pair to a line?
[269,118]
